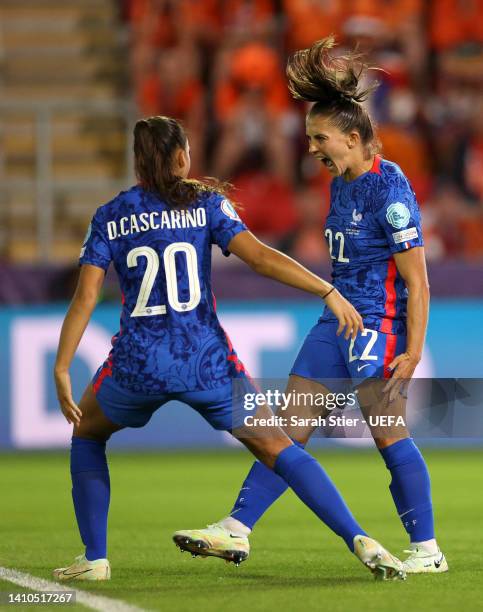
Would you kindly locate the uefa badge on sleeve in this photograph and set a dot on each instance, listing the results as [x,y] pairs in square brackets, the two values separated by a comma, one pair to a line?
[229,210]
[398,215]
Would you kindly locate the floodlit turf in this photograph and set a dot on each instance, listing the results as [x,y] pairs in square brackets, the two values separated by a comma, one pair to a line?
[296,562]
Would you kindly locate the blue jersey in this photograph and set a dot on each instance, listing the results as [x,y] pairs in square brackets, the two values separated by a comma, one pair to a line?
[170,339]
[370,218]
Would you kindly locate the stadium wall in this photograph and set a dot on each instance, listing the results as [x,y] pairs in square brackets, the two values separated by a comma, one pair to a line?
[266,336]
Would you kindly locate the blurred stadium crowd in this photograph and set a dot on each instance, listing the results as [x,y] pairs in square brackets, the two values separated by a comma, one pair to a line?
[219,67]
[74,76]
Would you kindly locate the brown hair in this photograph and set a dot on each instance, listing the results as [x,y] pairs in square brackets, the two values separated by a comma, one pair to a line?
[156,140]
[332,82]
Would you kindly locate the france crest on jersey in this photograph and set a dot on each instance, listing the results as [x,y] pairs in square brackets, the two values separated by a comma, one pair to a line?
[371,218]
[170,339]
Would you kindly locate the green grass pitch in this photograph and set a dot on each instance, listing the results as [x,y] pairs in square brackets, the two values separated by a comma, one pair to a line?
[296,563]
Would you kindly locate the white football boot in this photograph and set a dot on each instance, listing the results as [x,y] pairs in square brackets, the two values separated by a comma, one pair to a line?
[214,541]
[82,569]
[378,560]
[422,561]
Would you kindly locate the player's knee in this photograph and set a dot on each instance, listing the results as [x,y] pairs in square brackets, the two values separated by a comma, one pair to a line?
[384,442]
[92,431]
[267,450]
[299,436]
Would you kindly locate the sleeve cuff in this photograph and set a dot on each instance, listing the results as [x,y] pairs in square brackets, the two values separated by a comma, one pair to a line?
[98,264]
[233,233]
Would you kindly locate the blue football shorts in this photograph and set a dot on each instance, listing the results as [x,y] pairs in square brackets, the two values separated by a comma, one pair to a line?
[326,356]
[221,407]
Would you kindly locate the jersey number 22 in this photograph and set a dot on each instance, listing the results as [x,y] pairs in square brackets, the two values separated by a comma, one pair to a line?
[339,236]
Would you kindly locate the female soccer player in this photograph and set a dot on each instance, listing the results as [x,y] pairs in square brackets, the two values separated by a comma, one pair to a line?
[374,237]
[170,345]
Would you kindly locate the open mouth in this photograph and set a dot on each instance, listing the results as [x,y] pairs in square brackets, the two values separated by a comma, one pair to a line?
[328,163]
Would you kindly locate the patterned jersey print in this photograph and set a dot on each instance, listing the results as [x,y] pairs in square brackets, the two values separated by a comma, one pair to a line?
[170,339]
[370,218]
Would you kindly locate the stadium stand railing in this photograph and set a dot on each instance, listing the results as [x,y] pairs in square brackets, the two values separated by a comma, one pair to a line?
[63,130]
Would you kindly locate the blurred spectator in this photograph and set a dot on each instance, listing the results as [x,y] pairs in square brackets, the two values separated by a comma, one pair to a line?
[440,217]
[305,240]
[402,132]
[394,14]
[471,179]
[309,20]
[268,203]
[198,21]
[219,67]
[472,231]
[253,111]
[455,117]
[244,19]
[174,89]
[251,67]
[455,22]
[472,156]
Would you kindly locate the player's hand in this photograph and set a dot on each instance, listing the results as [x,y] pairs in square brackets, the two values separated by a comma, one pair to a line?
[348,317]
[402,368]
[69,408]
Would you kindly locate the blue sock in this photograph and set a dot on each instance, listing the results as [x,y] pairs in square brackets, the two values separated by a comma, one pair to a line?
[91,494]
[261,488]
[410,488]
[311,484]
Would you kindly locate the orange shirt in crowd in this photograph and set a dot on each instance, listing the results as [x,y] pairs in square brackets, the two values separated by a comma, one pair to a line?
[309,20]
[408,150]
[154,99]
[454,22]
[253,66]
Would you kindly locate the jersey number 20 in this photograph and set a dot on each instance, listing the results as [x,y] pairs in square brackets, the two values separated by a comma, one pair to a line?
[152,266]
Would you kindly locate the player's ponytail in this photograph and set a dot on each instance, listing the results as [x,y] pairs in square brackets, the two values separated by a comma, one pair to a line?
[333,83]
[156,140]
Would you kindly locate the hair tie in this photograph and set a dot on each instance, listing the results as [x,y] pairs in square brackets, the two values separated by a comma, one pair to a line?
[347,97]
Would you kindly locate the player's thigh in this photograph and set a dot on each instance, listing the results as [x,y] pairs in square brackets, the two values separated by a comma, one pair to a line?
[94,424]
[306,402]
[319,369]
[224,409]
[320,357]
[367,359]
[386,419]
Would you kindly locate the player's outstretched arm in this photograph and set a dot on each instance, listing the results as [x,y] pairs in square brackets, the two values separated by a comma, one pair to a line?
[75,322]
[274,264]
